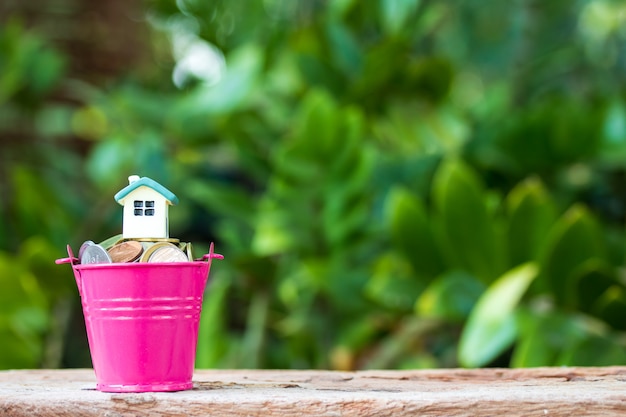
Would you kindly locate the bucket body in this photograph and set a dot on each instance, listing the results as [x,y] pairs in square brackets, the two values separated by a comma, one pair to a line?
[142,322]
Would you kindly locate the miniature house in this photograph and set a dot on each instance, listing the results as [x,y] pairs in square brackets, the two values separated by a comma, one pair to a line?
[145,204]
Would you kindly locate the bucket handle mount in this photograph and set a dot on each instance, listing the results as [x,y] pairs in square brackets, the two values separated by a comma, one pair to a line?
[211,255]
[71,260]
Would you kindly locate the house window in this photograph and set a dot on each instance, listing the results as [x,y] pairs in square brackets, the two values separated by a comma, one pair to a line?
[144,208]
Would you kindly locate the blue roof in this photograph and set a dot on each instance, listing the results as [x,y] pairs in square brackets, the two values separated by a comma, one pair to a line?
[147,182]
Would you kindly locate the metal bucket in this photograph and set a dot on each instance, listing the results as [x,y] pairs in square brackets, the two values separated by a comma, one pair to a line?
[142,321]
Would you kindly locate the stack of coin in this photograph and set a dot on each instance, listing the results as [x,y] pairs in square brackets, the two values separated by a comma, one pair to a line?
[119,250]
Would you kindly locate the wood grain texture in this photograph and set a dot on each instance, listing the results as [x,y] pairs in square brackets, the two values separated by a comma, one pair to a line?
[456,392]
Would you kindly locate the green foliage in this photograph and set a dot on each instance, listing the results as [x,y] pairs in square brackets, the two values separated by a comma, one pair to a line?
[491,326]
[468,232]
[531,212]
[412,233]
[29,68]
[451,296]
[395,183]
[573,240]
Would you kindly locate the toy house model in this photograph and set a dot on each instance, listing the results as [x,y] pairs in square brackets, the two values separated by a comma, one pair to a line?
[145,204]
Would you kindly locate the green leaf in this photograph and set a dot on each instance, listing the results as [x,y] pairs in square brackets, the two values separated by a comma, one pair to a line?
[611,307]
[594,350]
[231,92]
[342,281]
[109,242]
[451,296]
[491,327]
[213,336]
[345,50]
[400,346]
[590,281]
[543,336]
[271,233]
[54,121]
[574,240]
[24,315]
[47,66]
[358,334]
[251,347]
[108,158]
[342,221]
[613,150]
[19,351]
[316,126]
[467,229]
[411,232]
[393,284]
[395,13]
[338,8]
[35,253]
[229,201]
[351,155]
[531,213]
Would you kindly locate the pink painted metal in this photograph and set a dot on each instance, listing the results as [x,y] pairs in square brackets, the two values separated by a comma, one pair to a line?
[142,321]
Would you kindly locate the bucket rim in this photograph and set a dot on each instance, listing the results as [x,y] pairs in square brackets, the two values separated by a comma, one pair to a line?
[139,265]
[74,261]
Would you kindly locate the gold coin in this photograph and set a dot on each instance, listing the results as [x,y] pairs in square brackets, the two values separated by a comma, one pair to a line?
[168,254]
[128,251]
[150,250]
[147,254]
[157,239]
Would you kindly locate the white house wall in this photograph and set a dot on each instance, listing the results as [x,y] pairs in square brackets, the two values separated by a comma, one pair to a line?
[155,226]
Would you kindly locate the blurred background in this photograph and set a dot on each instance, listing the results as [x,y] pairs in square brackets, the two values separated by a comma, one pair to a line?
[394,183]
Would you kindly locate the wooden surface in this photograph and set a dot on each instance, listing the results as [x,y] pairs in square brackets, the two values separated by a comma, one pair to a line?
[489,392]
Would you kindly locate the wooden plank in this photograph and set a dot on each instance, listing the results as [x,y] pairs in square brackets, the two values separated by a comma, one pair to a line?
[486,392]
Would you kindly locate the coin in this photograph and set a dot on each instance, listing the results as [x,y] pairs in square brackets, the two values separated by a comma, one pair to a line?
[164,252]
[151,247]
[128,251]
[168,254]
[84,246]
[157,239]
[95,254]
[148,251]
[147,245]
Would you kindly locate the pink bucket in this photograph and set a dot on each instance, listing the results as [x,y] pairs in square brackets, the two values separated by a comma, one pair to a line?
[142,321]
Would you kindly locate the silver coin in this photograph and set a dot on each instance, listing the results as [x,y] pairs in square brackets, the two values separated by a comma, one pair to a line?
[84,246]
[168,254]
[95,254]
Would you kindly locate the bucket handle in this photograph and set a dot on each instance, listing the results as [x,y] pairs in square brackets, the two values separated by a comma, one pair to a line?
[71,260]
[211,255]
